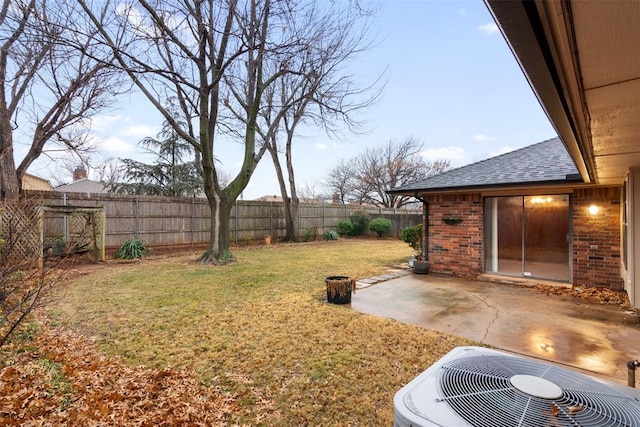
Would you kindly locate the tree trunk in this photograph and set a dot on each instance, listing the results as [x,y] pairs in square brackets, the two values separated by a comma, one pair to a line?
[295,223]
[9,182]
[290,234]
[295,202]
[218,250]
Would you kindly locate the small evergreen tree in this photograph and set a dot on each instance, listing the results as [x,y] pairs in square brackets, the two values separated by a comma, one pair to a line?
[170,175]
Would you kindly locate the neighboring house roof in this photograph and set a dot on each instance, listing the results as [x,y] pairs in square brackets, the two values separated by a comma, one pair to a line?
[275,198]
[546,162]
[32,182]
[269,199]
[83,185]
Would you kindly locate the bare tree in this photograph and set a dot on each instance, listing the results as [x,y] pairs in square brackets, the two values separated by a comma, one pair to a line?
[312,191]
[341,181]
[216,58]
[324,95]
[107,171]
[368,177]
[48,87]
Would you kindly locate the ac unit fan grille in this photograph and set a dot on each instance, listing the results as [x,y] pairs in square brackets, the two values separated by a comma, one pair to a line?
[479,390]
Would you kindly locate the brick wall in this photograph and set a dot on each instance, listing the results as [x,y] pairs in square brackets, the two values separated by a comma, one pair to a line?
[455,249]
[596,238]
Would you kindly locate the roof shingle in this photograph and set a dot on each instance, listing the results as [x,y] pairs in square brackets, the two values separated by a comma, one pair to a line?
[542,163]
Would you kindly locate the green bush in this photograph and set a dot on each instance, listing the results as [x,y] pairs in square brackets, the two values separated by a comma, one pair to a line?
[330,235]
[413,236]
[360,222]
[132,249]
[345,228]
[309,234]
[380,226]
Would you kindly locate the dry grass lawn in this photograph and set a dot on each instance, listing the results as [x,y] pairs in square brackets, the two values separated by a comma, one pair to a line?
[258,331]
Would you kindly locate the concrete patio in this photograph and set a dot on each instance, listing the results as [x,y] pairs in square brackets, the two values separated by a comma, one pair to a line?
[591,337]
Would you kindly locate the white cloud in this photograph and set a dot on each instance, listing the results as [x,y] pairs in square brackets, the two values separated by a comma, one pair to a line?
[107,122]
[502,150]
[489,28]
[138,131]
[454,154]
[320,146]
[483,137]
[115,145]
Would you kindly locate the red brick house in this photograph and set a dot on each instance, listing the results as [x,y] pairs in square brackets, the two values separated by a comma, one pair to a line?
[581,60]
[522,214]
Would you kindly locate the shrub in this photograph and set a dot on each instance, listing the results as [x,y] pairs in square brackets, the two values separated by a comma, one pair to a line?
[413,236]
[309,234]
[345,228]
[330,235]
[132,249]
[380,226]
[360,222]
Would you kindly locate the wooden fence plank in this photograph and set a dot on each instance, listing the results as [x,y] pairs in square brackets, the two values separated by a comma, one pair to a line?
[171,220]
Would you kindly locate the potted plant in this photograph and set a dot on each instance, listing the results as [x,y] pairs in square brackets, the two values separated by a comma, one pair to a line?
[339,289]
[414,237]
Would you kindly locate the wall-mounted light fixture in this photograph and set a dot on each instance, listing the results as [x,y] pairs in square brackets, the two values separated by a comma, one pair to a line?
[594,209]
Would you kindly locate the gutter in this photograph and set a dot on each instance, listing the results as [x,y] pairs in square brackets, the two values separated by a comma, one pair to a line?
[522,24]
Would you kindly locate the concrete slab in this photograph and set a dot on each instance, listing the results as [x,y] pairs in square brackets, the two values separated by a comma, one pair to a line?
[597,339]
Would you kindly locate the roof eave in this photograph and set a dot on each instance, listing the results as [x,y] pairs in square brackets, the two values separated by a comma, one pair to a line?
[572,183]
[523,24]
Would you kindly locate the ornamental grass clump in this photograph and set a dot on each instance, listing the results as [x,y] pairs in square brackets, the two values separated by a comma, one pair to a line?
[330,235]
[132,249]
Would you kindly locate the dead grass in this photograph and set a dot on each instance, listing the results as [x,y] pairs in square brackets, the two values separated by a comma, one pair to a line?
[258,330]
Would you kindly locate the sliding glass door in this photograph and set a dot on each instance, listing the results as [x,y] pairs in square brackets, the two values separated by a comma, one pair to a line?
[528,236]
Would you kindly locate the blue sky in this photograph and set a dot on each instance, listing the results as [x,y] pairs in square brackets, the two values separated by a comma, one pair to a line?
[452,83]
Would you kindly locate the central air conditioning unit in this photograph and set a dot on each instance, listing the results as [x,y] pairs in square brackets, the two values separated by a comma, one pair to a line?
[475,386]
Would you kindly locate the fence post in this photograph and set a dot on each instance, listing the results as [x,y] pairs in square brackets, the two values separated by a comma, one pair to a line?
[137,221]
[193,218]
[299,223]
[65,229]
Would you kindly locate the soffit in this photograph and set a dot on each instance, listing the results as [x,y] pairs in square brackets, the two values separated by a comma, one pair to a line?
[607,37]
[582,59]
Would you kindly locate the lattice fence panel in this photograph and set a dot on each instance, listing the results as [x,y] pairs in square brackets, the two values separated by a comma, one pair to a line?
[83,232]
[21,227]
[73,230]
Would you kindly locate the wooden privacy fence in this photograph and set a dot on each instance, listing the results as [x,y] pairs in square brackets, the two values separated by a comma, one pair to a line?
[185,221]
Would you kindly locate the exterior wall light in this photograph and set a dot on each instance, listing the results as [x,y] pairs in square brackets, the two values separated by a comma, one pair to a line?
[594,209]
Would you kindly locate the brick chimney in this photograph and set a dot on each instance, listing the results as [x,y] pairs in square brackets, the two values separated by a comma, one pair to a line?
[79,173]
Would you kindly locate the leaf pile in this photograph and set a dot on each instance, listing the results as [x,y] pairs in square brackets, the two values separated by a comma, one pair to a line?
[63,380]
[592,294]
